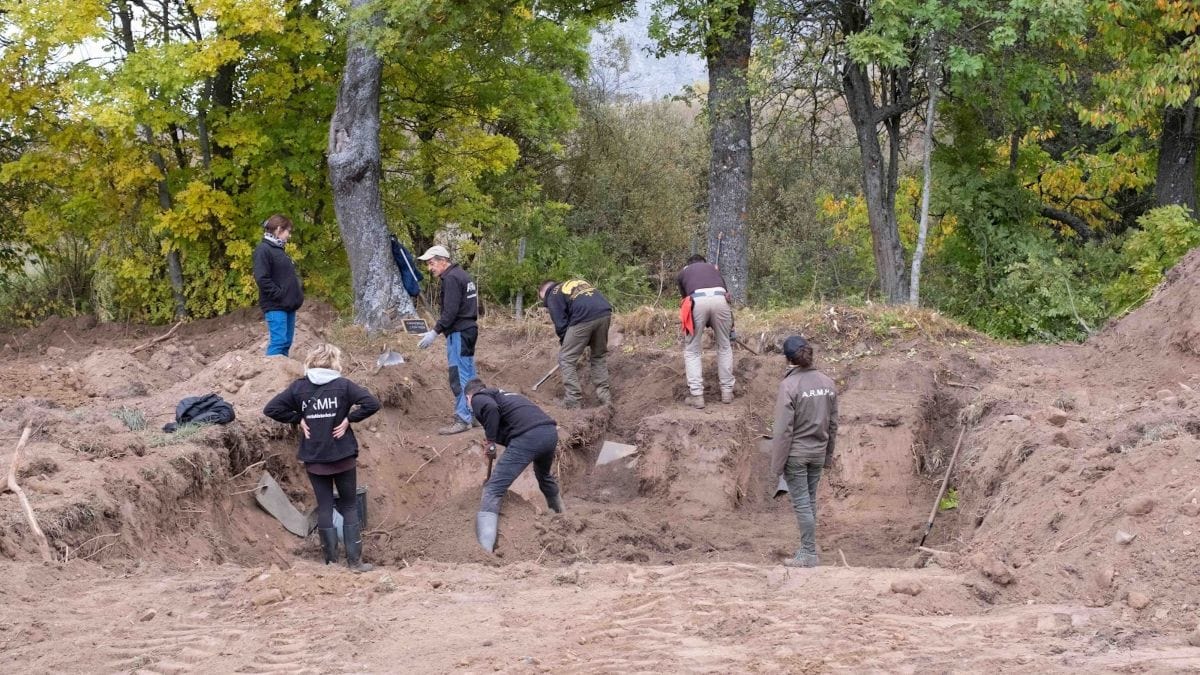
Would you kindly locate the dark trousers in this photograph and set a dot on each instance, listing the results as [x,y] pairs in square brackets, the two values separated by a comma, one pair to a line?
[802,478]
[536,447]
[347,501]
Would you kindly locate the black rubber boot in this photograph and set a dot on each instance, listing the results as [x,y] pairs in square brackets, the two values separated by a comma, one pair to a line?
[486,529]
[555,503]
[329,543]
[353,537]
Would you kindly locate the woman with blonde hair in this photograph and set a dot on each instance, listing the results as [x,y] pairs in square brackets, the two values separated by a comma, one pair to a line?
[325,404]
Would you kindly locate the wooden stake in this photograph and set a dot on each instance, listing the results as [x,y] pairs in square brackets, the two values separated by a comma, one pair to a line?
[156,340]
[43,544]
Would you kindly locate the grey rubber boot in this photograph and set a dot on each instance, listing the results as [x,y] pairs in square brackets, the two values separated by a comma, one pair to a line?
[696,402]
[353,536]
[555,504]
[486,525]
[329,543]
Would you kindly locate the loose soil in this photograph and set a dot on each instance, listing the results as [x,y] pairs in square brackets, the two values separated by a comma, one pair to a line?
[1072,544]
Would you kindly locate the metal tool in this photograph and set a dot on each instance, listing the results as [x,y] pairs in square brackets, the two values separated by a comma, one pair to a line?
[388,358]
[546,377]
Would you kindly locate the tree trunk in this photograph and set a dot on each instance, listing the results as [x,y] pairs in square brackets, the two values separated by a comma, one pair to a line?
[354,170]
[879,185]
[728,59]
[1176,178]
[165,202]
[914,291]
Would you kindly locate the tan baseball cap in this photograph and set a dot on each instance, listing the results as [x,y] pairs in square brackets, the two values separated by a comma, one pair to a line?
[435,251]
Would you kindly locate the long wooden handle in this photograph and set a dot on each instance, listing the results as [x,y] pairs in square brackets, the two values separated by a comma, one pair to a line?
[942,491]
[546,377]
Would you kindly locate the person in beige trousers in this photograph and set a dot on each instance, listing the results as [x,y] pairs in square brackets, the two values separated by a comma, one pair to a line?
[702,282]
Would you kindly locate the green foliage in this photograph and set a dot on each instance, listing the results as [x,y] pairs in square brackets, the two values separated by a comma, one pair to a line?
[1166,234]
[56,280]
[134,419]
[1002,273]
[949,501]
[183,433]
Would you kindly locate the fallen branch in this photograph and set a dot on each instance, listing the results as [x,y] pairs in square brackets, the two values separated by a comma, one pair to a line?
[843,555]
[156,340]
[43,544]
[414,474]
[935,551]
[258,463]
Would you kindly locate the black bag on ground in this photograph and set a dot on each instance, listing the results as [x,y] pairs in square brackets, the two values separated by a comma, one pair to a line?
[207,409]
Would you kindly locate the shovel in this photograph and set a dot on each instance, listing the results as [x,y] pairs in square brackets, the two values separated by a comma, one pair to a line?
[388,358]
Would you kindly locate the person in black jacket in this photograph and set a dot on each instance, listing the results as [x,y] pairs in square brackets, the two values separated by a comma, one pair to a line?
[280,293]
[325,404]
[460,308]
[529,435]
[581,316]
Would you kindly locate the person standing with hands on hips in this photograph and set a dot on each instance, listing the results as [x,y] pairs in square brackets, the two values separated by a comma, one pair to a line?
[803,436]
[280,292]
[459,311]
[325,404]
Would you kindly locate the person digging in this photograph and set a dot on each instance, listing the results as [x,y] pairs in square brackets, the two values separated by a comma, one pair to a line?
[459,311]
[529,435]
[804,432]
[325,404]
[704,302]
[581,317]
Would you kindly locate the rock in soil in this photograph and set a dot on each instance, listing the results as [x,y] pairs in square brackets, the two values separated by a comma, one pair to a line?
[907,587]
[1138,600]
[1140,506]
[268,597]
[1122,537]
[148,615]
[998,572]
[1058,623]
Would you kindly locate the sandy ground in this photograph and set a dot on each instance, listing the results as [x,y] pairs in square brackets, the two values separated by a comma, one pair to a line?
[1072,546]
[606,618]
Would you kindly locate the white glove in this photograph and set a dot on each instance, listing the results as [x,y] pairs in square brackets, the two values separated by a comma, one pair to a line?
[427,339]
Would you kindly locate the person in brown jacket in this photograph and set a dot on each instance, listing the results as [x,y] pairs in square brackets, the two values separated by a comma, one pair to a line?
[803,439]
[702,282]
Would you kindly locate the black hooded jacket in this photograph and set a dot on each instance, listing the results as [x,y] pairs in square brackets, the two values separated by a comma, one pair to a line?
[460,302]
[506,415]
[574,302]
[279,286]
[322,407]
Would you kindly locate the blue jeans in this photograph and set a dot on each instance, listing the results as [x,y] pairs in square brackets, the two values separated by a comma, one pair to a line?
[802,478]
[536,447]
[281,327]
[460,357]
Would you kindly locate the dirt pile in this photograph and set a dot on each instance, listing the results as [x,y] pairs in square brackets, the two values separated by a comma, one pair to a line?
[1080,475]
[1076,487]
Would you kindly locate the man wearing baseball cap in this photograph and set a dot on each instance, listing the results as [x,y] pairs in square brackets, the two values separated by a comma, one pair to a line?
[459,310]
[803,438]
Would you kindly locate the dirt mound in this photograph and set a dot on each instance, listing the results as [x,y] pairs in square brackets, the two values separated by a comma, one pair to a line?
[1075,486]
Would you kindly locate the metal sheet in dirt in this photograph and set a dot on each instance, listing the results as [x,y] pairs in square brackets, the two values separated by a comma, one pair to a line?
[612,451]
[271,498]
